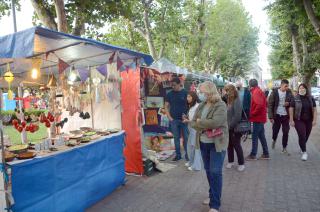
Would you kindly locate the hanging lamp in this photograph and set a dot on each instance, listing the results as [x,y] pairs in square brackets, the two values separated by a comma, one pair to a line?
[9,77]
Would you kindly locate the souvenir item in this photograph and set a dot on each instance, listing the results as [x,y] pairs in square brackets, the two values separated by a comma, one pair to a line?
[151,117]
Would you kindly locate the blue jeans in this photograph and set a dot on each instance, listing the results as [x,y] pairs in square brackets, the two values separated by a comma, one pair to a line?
[213,163]
[177,126]
[258,133]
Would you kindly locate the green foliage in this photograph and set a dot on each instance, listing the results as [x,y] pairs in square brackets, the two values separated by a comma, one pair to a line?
[218,37]
[5,7]
[289,18]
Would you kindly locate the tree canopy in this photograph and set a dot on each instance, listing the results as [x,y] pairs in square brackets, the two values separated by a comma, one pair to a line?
[294,39]
[204,35]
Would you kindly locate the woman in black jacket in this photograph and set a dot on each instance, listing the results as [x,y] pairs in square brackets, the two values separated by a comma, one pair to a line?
[303,115]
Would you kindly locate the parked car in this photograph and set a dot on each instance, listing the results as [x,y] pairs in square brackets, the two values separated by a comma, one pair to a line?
[315,92]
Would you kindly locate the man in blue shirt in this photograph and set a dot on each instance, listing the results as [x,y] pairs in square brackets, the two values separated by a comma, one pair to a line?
[176,104]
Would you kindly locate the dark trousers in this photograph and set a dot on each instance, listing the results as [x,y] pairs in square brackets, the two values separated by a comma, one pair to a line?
[278,122]
[177,126]
[303,129]
[235,144]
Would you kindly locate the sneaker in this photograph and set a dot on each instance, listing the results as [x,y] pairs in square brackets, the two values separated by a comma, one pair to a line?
[190,168]
[229,165]
[273,144]
[264,157]
[213,210]
[284,151]
[241,168]
[175,159]
[187,164]
[304,156]
[251,157]
[206,201]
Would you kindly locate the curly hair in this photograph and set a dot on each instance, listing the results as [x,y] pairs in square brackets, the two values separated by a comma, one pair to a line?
[232,93]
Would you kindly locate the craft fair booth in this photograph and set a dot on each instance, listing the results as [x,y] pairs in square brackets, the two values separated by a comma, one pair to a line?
[89,84]
[152,126]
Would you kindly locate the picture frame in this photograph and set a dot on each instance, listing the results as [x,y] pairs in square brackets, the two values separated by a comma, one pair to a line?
[151,117]
[154,102]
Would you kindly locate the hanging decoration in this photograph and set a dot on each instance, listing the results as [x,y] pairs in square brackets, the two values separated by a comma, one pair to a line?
[9,77]
[73,77]
[96,81]
[62,66]
[52,83]
[103,70]
[119,63]
[111,58]
[84,74]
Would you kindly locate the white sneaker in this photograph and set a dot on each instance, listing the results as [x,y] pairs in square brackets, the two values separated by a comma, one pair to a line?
[229,165]
[206,201]
[187,164]
[241,168]
[190,169]
[304,156]
[213,210]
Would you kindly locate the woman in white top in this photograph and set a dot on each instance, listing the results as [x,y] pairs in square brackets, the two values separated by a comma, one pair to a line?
[195,161]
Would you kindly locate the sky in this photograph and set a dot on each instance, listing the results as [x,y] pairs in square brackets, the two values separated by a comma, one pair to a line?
[254,7]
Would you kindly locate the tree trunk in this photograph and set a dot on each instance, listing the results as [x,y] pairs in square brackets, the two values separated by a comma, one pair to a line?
[295,48]
[79,27]
[61,16]
[201,30]
[148,35]
[312,16]
[44,14]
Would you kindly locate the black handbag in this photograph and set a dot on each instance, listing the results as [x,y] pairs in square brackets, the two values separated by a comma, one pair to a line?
[244,125]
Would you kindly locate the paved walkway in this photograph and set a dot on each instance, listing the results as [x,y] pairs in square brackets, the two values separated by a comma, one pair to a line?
[285,183]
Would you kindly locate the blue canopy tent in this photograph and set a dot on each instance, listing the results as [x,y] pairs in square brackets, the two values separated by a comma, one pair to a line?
[82,176]
[20,47]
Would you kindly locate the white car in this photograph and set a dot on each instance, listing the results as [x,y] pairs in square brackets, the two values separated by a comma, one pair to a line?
[315,92]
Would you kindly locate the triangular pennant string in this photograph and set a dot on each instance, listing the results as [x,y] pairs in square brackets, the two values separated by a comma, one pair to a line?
[103,70]
[111,58]
[62,66]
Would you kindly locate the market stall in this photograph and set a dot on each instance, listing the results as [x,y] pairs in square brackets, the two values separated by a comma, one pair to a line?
[82,160]
[149,124]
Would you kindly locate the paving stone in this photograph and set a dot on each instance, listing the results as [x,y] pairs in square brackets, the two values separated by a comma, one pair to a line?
[284,183]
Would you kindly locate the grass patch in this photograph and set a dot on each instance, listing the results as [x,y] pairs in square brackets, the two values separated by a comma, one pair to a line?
[15,136]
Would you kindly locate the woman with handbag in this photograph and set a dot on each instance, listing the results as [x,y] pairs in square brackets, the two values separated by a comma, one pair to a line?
[234,117]
[210,122]
[303,116]
[195,161]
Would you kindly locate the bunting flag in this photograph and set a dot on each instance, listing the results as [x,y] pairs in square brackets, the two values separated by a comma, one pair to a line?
[47,55]
[123,68]
[84,74]
[62,66]
[133,65]
[119,62]
[103,70]
[111,58]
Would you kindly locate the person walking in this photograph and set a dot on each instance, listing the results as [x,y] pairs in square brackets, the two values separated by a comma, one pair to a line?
[258,116]
[278,113]
[176,105]
[234,117]
[195,161]
[245,98]
[303,115]
[210,122]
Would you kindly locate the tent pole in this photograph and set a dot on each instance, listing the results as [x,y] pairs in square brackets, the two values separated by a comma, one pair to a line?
[20,95]
[91,102]
[3,160]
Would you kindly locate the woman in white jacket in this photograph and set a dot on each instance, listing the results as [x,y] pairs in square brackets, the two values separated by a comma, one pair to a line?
[195,161]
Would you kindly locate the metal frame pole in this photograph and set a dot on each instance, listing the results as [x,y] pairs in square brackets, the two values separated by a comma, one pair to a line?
[14,15]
